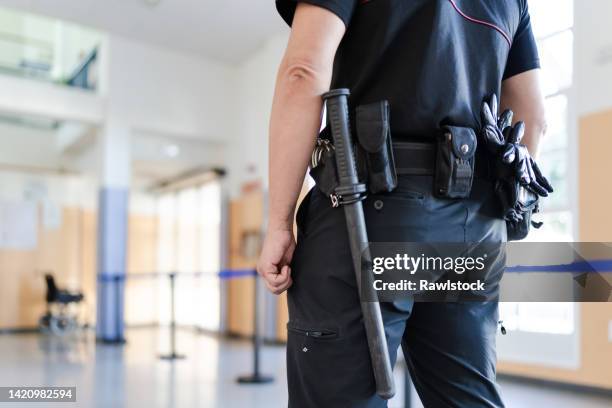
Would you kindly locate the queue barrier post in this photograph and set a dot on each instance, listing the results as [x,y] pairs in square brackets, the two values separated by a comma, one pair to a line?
[256,377]
[173,355]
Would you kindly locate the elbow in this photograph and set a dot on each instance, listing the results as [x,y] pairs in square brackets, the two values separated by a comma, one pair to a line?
[300,70]
[303,76]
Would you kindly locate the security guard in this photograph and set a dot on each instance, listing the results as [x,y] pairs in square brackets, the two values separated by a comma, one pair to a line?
[434,61]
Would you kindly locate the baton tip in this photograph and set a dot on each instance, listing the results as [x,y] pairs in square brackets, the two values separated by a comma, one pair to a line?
[386,394]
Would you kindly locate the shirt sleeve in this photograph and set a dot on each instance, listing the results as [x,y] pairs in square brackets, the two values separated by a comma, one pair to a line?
[342,8]
[523,54]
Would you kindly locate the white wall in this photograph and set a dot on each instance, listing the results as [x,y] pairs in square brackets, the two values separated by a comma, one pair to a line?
[29,146]
[248,152]
[63,190]
[592,89]
[33,98]
[163,91]
[159,93]
[593,56]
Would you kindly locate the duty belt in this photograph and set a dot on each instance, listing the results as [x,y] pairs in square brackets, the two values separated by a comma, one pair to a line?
[419,159]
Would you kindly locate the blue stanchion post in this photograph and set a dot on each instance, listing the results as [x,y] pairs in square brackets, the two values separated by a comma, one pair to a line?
[173,355]
[256,377]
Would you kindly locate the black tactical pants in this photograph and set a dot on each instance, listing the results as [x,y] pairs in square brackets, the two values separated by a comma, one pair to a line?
[449,347]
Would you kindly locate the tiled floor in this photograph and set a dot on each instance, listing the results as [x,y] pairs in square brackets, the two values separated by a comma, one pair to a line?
[134,376]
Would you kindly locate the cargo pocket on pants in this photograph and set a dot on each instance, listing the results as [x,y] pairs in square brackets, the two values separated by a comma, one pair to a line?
[327,367]
[307,338]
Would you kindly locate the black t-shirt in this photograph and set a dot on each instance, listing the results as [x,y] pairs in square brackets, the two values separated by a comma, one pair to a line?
[434,60]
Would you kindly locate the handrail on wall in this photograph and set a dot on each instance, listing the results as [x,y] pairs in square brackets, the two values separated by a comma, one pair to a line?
[80,78]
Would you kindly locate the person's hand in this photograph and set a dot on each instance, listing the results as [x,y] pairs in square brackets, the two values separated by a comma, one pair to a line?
[527,170]
[273,265]
[495,129]
[504,141]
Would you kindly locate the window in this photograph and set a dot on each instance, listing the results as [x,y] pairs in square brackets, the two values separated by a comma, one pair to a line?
[553,318]
[545,333]
[209,317]
[189,240]
[553,27]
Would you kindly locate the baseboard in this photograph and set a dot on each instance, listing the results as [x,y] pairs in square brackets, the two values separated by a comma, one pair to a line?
[19,330]
[587,389]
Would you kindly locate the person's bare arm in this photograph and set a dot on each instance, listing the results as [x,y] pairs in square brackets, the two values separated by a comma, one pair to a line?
[521,93]
[303,76]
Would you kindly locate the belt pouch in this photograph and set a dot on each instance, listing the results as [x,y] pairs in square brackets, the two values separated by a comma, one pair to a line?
[375,152]
[455,158]
[527,204]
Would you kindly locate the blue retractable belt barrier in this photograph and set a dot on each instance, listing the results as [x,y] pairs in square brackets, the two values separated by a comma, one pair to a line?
[596,265]
[236,273]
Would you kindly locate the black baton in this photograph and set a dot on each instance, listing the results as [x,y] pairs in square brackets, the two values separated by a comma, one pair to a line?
[348,194]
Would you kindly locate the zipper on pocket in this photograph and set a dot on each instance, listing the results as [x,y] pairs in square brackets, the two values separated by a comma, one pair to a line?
[315,333]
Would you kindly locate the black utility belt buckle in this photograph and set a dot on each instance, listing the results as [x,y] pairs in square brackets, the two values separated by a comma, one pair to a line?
[455,159]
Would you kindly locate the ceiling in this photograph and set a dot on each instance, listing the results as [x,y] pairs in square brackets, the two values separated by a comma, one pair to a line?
[158,157]
[227,30]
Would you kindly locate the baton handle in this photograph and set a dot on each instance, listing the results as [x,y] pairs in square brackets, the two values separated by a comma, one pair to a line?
[338,119]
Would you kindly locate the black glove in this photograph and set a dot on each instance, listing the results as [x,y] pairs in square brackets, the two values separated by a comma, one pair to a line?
[519,181]
[513,158]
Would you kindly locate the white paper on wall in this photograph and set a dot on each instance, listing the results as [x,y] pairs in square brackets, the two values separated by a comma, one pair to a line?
[52,215]
[18,225]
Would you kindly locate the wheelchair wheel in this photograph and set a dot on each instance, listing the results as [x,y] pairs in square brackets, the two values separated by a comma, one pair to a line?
[62,325]
[44,323]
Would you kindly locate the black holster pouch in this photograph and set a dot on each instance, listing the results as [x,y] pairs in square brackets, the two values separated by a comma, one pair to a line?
[455,159]
[374,152]
[527,204]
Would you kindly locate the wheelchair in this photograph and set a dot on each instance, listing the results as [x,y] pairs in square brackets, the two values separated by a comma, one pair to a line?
[61,316]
